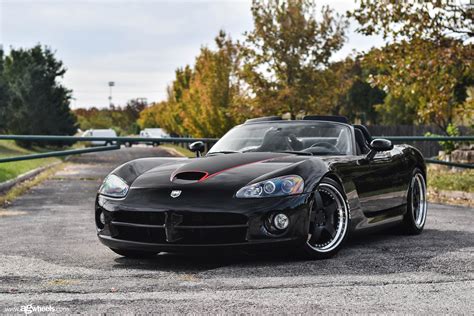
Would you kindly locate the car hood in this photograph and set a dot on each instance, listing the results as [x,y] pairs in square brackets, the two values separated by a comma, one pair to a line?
[224,171]
[219,178]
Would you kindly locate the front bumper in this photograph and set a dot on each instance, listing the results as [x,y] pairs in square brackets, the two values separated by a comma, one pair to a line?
[239,227]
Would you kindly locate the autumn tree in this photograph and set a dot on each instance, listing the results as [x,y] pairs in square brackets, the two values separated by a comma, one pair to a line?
[428,64]
[205,100]
[431,20]
[213,90]
[350,93]
[122,119]
[286,52]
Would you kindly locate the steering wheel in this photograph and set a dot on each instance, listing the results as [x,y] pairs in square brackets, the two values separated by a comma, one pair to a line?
[326,145]
[294,143]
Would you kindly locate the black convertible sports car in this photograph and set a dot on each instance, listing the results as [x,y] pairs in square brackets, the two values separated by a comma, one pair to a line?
[301,184]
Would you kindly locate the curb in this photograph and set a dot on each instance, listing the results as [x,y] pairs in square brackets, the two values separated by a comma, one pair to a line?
[455,194]
[4,186]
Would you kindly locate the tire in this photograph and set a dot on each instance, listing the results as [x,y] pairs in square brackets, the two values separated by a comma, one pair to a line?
[134,253]
[415,218]
[330,222]
[128,144]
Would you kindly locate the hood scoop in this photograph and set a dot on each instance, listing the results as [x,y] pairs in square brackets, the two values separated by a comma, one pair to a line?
[189,176]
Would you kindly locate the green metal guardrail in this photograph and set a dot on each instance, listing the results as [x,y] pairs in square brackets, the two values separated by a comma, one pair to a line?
[60,153]
[124,140]
[398,139]
[119,140]
[116,141]
[427,138]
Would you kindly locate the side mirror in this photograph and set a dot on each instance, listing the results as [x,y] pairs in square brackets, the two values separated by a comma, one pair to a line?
[378,145]
[197,147]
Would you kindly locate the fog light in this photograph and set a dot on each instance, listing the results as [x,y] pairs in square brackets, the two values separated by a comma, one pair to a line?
[102,218]
[281,221]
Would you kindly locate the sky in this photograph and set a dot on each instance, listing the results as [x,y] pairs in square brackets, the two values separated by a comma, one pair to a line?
[137,44]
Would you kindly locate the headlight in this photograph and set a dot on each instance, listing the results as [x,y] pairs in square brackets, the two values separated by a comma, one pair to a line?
[286,185]
[114,186]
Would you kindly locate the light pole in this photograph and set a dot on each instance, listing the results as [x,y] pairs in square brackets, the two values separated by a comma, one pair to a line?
[111,84]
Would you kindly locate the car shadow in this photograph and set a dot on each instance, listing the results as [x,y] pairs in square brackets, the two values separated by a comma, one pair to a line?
[376,253]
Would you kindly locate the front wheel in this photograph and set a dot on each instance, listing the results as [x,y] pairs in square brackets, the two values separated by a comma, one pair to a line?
[134,253]
[417,208]
[329,221]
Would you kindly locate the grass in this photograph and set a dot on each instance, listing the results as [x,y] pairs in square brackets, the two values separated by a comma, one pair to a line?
[10,170]
[21,188]
[451,181]
[184,151]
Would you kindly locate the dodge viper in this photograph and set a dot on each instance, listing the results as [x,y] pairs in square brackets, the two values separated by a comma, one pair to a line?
[303,185]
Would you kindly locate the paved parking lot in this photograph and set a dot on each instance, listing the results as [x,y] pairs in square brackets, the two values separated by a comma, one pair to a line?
[50,256]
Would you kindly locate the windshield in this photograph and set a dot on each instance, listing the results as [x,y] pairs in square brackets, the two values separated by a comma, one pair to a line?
[316,138]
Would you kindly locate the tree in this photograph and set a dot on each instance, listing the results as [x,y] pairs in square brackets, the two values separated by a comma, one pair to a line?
[285,53]
[39,103]
[169,114]
[4,96]
[397,110]
[147,117]
[122,119]
[203,101]
[212,91]
[431,20]
[429,62]
[348,92]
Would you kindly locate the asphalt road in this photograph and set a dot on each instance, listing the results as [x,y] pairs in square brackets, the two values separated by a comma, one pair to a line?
[50,258]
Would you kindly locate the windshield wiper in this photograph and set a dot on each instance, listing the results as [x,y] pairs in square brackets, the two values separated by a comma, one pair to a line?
[302,153]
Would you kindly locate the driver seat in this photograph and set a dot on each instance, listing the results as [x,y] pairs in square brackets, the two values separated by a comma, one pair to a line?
[273,140]
[362,138]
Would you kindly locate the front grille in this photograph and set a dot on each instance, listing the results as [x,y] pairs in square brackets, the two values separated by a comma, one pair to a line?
[136,217]
[191,218]
[179,227]
[184,236]
[140,234]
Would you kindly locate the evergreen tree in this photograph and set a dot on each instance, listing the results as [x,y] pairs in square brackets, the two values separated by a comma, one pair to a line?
[4,96]
[39,103]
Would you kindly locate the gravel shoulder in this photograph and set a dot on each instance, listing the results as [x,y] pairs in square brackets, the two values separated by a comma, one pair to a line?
[50,256]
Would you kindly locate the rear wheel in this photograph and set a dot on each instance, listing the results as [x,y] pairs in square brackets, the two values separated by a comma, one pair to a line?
[329,221]
[134,253]
[417,208]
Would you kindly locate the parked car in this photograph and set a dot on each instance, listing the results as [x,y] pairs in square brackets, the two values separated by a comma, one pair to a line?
[268,184]
[100,133]
[154,133]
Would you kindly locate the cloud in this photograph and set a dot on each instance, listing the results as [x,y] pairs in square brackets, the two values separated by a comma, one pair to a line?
[137,44]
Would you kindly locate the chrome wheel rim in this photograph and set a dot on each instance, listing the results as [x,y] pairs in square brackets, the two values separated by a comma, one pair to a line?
[418,200]
[329,219]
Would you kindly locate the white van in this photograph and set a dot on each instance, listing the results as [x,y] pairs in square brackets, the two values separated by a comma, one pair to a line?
[100,133]
[154,133]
